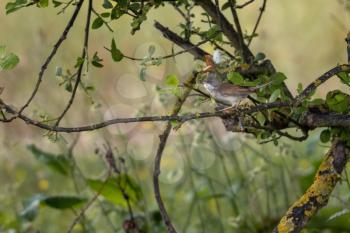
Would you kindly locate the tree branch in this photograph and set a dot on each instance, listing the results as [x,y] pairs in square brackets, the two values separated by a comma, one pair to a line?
[52,54]
[157,161]
[197,52]
[318,194]
[226,27]
[323,78]
[80,69]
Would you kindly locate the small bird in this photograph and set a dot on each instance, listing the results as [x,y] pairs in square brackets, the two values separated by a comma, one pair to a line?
[225,92]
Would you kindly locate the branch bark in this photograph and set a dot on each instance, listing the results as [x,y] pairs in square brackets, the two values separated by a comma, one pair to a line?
[197,52]
[226,27]
[318,194]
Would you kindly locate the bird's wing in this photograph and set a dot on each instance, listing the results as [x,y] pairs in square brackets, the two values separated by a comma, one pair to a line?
[231,90]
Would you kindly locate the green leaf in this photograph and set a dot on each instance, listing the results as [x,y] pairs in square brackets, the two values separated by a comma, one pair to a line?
[300,88]
[135,7]
[110,189]
[63,202]
[56,3]
[43,3]
[151,50]
[325,136]
[105,14]
[235,78]
[97,23]
[316,102]
[260,56]
[107,4]
[337,101]
[79,62]
[123,3]
[344,77]
[96,61]
[116,53]
[137,21]
[68,86]
[172,80]
[275,95]
[116,13]
[8,62]
[278,78]
[57,163]
[14,6]
[143,74]
[174,123]
[213,31]
[59,71]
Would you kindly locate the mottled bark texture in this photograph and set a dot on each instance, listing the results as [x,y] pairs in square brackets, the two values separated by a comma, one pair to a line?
[318,194]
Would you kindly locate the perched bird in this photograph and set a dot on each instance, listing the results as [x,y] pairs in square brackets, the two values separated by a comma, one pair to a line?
[225,92]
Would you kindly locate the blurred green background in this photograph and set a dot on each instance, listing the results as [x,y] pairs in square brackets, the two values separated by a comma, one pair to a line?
[211,180]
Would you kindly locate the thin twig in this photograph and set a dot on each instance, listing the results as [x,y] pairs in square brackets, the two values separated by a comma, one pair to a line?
[51,55]
[169,55]
[157,161]
[262,10]
[87,206]
[239,31]
[105,22]
[244,4]
[80,69]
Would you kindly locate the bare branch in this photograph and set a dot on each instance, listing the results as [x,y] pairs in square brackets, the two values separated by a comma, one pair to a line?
[225,25]
[244,4]
[197,52]
[157,161]
[80,69]
[262,10]
[52,54]
[87,206]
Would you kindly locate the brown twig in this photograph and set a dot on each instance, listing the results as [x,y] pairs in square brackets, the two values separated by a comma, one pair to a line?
[157,161]
[262,10]
[80,69]
[51,55]
[198,53]
[226,27]
[239,31]
[87,206]
[244,4]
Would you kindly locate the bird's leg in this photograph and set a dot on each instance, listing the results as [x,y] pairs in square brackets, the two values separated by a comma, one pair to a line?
[224,109]
[207,69]
[232,106]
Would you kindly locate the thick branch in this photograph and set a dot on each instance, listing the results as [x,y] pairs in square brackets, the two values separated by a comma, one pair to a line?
[197,52]
[226,27]
[318,194]
[313,120]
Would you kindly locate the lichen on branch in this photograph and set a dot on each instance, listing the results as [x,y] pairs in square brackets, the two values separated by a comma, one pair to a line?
[318,194]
